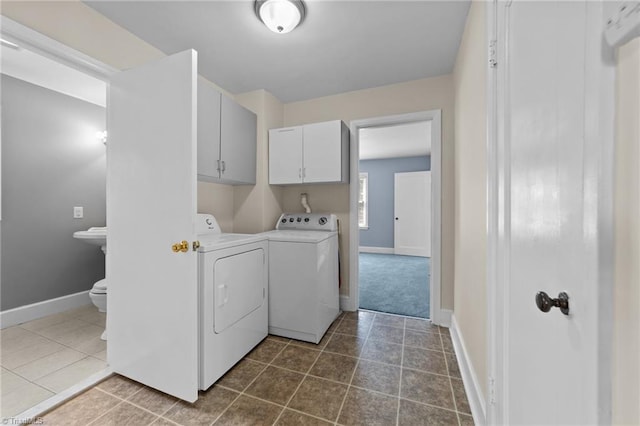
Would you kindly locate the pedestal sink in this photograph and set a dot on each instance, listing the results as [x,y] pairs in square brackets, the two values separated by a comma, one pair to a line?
[98,294]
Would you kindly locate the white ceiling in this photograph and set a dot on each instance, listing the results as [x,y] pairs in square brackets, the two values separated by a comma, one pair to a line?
[36,69]
[404,140]
[340,46]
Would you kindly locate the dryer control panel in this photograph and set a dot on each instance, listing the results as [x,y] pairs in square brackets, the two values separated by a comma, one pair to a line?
[308,222]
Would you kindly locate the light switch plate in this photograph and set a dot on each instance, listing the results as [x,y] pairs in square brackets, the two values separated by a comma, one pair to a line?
[78,212]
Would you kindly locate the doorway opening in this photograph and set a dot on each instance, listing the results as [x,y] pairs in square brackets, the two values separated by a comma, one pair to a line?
[395,214]
[53,151]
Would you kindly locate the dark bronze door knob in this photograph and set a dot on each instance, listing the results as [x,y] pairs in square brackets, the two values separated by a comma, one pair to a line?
[545,303]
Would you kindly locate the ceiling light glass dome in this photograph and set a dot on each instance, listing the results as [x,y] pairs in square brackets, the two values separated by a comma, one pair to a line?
[280,16]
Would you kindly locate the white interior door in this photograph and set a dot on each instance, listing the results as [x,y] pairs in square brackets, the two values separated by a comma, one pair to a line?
[412,210]
[152,315]
[555,92]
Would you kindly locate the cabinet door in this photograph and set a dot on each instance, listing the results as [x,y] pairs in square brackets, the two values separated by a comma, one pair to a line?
[322,152]
[208,132]
[285,156]
[238,143]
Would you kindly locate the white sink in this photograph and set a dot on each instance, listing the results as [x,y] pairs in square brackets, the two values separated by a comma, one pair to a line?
[94,236]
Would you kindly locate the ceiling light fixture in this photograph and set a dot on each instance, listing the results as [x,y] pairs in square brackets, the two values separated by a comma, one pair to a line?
[280,16]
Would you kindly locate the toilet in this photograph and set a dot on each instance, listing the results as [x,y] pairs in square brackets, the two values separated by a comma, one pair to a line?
[98,295]
[97,236]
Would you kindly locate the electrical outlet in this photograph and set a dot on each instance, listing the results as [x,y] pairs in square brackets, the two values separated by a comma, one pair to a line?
[78,212]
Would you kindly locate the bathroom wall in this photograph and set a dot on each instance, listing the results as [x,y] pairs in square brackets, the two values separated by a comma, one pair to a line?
[381,196]
[51,162]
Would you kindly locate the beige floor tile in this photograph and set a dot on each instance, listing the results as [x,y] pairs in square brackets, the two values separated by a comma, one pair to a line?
[94,317]
[17,339]
[462,404]
[92,345]
[362,316]
[389,320]
[423,340]
[49,364]
[63,329]
[10,382]
[22,399]
[78,312]
[420,325]
[345,344]
[452,365]
[45,322]
[101,355]
[71,374]
[15,359]
[82,337]
[266,351]
[378,350]
[387,334]
[425,360]
[354,327]
[318,346]
[161,421]
[466,420]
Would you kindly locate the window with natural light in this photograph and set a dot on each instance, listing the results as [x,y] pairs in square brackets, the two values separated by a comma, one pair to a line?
[363,201]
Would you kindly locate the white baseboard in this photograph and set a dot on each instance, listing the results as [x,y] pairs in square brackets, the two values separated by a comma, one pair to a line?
[444,319]
[34,311]
[380,250]
[472,387]
[346,304]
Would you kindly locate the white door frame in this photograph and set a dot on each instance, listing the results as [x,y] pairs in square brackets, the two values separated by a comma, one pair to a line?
[351,303]
[499,216]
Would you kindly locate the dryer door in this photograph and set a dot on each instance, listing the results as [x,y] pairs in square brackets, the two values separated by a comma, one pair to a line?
[239,287]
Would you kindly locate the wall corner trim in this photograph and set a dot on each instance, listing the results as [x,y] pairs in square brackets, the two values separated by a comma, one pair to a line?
[38,310]
[472,387]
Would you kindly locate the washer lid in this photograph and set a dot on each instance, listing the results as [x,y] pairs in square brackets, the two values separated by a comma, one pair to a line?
[299,236]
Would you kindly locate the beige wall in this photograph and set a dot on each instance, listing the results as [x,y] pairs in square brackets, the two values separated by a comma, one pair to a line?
[469,78]
[257,207]
[626,334]
[418,95]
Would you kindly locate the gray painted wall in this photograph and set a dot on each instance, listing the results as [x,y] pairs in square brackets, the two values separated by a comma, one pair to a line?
[381,193]
[51,162]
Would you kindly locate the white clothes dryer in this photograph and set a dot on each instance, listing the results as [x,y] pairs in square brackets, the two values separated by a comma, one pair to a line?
[303,276]
[233,293]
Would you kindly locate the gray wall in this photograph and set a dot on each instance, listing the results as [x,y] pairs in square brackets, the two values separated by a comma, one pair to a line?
[381,193]
[51,162]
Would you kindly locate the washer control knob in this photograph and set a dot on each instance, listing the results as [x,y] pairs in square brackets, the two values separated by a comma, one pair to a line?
[322,220]
[283,221]
[306,220]
[290,219]
[299,219]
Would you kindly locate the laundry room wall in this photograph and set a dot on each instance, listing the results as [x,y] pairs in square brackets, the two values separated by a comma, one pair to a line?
[381,196]
[51,162]
[418,95]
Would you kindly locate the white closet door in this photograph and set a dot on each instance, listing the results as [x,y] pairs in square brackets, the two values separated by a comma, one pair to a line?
[412,200]
[152,315]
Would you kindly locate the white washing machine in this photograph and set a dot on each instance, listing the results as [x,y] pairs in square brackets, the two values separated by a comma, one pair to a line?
[303,276]
[233,292]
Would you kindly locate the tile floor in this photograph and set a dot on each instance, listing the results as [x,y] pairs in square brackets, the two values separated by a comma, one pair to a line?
[43,357]
[369,369]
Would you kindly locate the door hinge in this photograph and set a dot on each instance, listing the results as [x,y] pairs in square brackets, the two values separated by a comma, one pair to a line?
[493,54]
[492,390]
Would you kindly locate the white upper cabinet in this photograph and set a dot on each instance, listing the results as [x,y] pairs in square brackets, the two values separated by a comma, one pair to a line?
[226,139]
[313,153]
[285,155]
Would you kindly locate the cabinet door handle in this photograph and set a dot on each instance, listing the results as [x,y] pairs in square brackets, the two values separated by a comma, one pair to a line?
[218,168]
[304,172]
[300,172]
[224,167]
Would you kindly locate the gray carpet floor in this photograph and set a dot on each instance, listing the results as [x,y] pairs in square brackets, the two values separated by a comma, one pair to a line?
[395,284]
